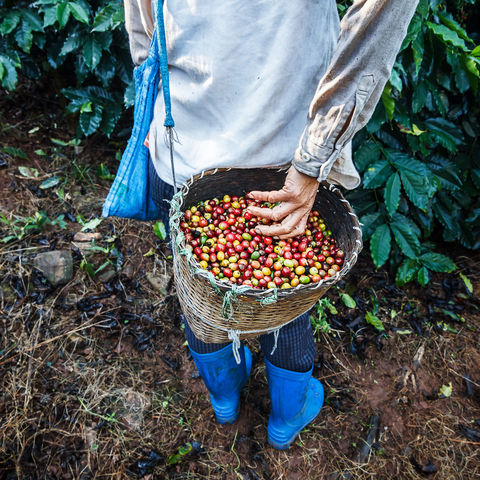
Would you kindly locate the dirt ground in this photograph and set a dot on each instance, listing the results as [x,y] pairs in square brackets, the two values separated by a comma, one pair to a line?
[95,377]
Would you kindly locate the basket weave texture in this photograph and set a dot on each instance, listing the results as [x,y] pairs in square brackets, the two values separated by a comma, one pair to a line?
[218,311]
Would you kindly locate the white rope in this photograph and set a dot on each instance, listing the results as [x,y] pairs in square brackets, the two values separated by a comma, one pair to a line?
[234,336]
[276,333]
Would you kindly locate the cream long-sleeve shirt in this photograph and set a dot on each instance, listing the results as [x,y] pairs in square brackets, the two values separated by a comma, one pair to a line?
[244,77]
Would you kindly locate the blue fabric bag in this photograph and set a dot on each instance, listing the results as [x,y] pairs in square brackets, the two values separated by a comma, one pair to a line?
[129,194]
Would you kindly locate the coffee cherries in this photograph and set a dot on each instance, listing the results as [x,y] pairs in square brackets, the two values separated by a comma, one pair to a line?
[221,235]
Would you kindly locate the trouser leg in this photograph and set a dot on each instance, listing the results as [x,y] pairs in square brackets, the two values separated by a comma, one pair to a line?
[197,345]
[295,348]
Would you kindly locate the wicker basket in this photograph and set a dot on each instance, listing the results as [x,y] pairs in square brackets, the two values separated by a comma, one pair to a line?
[218,311]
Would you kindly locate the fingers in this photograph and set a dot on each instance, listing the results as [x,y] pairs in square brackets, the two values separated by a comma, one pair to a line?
[276,214]
[272,197]
[292,226]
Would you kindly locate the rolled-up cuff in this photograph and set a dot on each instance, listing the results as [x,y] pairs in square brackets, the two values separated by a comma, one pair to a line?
[317,166]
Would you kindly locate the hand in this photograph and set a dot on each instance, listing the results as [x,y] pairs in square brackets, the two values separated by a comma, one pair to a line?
[296,197]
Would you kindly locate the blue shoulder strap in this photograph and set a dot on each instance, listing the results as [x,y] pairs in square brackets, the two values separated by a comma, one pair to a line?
[162,48]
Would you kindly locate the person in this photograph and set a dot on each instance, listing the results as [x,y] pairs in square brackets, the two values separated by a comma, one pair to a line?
[244,77]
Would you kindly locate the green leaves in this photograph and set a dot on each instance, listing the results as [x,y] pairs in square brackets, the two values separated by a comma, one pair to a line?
[160,230]
[449,36]
[93,48]
[445,391]
[423,160]
[423,276]
[348,301]
[71,37]
[10,22]
[108,18]
[437,262]
[445,133]
[373,320]
[405,237]
[414,186]
[90,120]
[377,174]
[366,153]
[388,101]
[9,62]
[99,110]
[392,193]
[78,12]
[406,272]
[380,244]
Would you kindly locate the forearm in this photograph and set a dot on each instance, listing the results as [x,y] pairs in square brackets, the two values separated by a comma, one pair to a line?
[139,25]
[371,34]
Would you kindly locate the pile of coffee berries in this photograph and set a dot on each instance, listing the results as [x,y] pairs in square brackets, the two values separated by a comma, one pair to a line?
[221,235]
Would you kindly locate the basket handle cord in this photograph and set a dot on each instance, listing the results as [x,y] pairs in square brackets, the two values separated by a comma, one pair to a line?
[169,123]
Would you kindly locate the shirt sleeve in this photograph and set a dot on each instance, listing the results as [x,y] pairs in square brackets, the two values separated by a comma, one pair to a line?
[371,34]
[139,25]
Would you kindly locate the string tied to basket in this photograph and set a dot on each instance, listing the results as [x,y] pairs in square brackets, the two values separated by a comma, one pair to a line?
[276,333]
[230,297]
[234,336]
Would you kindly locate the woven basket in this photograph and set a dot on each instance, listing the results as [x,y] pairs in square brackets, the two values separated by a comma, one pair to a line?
[218,311]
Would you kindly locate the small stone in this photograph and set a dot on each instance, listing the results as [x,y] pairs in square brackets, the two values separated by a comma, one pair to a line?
[158,282]
[106,275]
[128,271]
[86,236]
[56,266]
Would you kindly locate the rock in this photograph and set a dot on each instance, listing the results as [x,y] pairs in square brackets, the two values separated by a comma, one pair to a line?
[86,236]
[56,266]
[106,275]
[158,282]
[128,271]
[84,241]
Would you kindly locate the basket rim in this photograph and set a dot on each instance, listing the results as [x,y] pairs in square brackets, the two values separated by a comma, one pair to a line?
[261,294]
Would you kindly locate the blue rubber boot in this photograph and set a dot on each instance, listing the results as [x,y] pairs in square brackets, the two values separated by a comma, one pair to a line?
[296,400]
[224,379]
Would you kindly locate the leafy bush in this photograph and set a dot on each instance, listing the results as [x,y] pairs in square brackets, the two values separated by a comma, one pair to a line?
[83,43]
[419,153]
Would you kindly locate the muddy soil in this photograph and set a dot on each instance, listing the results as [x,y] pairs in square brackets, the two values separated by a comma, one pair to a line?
[97,382]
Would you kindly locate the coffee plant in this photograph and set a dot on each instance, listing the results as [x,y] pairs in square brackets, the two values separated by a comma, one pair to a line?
[81,45]
[418,156]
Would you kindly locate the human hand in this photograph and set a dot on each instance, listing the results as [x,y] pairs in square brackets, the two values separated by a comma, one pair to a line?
[296,197]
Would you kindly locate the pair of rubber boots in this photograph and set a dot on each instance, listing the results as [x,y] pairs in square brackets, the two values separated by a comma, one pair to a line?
[296,398]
